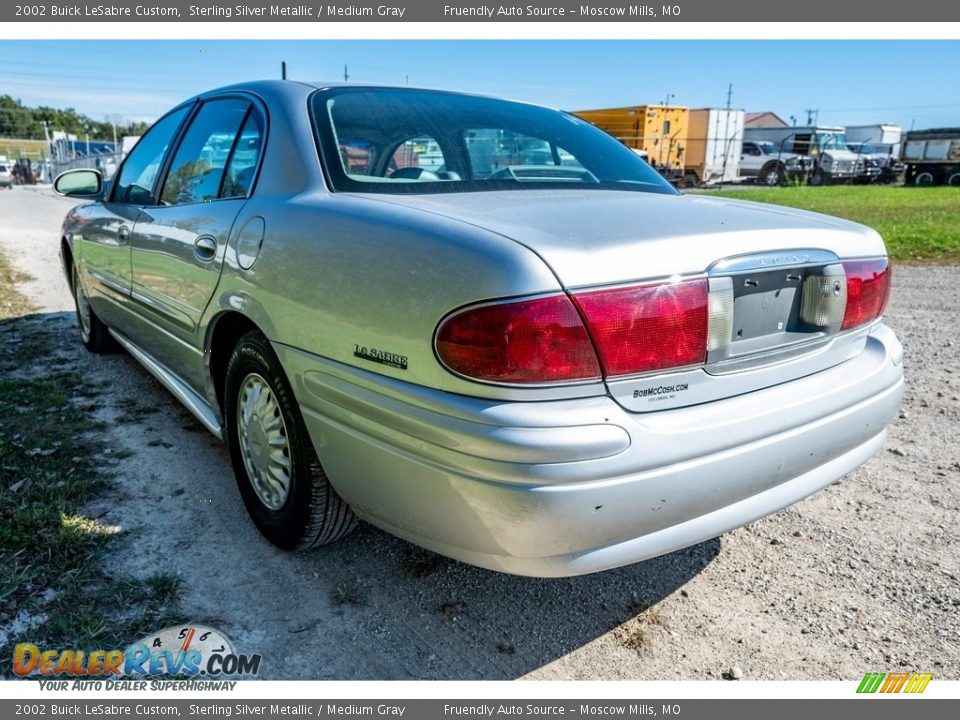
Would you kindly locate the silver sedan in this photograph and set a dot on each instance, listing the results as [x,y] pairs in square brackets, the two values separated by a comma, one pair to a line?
[484,326]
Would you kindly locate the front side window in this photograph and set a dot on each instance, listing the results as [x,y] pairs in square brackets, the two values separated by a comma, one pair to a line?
[197,169]
[139,172]
[415,141]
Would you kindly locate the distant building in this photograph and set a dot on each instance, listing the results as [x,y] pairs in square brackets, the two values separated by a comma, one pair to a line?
[763,120]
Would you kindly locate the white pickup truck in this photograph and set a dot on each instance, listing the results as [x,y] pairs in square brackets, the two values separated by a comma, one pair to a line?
[765,161]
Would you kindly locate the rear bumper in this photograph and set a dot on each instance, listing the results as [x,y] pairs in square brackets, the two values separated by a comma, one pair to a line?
[576,486]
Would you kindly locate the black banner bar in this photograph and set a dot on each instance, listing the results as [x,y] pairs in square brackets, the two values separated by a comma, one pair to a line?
[297,709]
[450,11]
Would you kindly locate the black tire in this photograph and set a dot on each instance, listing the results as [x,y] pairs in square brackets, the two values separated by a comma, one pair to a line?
[925,178]
[953,178]
[773,174]
[94,333]
[817,178]
[310,513]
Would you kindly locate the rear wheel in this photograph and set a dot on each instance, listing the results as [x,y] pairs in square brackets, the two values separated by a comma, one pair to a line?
[94,334]
[953,179]
[278,472]
[924,178]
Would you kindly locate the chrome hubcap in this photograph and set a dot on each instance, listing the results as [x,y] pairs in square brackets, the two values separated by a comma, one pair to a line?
[263,441]
[83,311]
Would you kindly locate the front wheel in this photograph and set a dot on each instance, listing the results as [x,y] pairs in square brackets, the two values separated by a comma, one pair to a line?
[773,175]
[278,472]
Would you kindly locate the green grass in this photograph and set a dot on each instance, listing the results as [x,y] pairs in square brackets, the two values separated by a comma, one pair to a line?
[13,148]
[51,550]
[918,224]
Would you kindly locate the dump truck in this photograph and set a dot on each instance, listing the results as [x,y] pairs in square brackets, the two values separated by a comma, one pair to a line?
[714,146]
[932,157]
[658,130]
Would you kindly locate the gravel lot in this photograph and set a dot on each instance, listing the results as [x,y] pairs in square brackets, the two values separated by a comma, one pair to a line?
[861,577]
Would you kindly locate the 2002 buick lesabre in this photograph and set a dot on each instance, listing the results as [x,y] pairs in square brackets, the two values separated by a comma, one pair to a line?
[484,326]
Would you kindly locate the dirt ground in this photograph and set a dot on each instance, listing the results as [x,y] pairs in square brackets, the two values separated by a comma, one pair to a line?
[861,577]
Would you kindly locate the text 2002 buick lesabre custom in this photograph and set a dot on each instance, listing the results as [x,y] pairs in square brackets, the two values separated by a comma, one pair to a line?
[484,326]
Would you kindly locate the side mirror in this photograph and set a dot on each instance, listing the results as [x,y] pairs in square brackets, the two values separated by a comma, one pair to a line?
[79,183]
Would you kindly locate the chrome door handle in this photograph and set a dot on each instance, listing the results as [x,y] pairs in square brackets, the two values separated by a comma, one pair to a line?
[205,248]
[123,235]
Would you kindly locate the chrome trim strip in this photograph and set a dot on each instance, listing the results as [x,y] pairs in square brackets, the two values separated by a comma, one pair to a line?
[772,261]
[109,283]
[180,390]
[163,309]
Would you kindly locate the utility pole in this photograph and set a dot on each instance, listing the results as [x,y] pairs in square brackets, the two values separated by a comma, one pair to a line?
[283,69]
[728,141]
[812,115]
[46,134]
[346,75]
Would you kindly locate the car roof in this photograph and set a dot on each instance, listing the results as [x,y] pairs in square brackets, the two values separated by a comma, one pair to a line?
[295,90]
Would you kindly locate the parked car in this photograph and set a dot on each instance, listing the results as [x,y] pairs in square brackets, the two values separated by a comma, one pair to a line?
[770,165]
[6,177]
[545,368]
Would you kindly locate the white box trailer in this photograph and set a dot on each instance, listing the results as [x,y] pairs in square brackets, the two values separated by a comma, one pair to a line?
[887,134]
[714,146]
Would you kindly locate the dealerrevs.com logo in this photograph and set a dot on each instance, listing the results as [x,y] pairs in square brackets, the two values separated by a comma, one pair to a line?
[181,651]
[909,683]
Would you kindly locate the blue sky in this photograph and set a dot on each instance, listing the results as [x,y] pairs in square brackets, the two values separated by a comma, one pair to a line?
[850,82]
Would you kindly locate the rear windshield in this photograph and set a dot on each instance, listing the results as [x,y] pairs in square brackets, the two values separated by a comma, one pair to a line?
[416,141]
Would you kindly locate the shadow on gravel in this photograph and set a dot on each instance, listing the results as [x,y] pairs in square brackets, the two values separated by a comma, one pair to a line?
[474,624]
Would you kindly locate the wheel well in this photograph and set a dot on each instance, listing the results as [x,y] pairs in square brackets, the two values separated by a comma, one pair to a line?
[227,331]
[67,256]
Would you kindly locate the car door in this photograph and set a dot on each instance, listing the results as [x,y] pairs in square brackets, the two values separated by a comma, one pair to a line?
[750,159]
[102,249]
[178,243]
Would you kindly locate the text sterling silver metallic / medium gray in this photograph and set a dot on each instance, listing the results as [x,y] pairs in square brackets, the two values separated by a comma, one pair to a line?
[484,326]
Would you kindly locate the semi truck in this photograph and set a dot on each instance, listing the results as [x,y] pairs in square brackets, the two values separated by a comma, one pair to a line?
[658,130]
[833,161]
[714,146]
[932,157]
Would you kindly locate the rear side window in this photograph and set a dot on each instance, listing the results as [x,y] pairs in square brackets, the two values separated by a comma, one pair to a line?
[139,173]
[198,167]
[243,162]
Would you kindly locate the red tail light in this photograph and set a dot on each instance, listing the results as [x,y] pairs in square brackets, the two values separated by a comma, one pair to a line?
[648,327]
[540,340]
[868,290]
